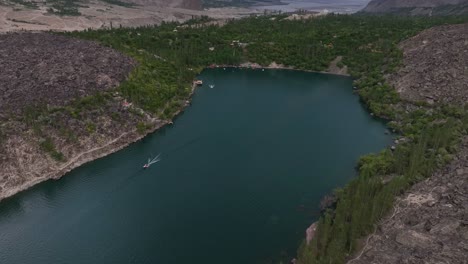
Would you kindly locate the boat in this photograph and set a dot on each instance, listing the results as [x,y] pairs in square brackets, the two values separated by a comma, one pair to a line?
[211,86]
[198,82]
[151,161]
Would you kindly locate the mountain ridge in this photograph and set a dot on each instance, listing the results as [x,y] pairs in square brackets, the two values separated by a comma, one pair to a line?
[418,7]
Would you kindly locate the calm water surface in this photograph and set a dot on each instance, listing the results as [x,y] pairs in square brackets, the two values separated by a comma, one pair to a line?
[337,6]
[239,181]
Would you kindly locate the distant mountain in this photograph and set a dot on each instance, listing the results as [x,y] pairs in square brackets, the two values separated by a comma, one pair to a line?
[418,7]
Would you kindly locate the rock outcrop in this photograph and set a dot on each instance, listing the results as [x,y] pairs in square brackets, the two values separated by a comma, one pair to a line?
[418,7]
[435,66]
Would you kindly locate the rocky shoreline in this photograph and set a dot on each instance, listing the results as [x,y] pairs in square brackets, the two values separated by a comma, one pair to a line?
[114,145]
[60,110]
[332,69]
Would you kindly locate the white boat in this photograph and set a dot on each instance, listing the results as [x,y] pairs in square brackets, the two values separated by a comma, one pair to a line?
[151,161]
[211,86]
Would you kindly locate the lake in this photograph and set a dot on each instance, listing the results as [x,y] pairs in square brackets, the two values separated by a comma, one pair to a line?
[241,175]
[336,6]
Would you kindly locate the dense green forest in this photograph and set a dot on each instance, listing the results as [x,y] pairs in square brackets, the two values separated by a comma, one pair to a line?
[171,55]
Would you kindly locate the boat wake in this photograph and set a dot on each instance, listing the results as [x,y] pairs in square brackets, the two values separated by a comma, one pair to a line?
[152,161]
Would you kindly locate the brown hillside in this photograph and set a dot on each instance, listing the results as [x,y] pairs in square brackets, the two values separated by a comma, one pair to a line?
[46,127]
[46,69]
[435,66]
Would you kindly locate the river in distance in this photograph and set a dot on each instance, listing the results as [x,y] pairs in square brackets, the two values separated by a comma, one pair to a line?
[336,6]
[239,180]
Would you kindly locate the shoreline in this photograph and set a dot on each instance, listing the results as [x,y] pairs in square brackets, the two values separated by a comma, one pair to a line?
[274,66]
[116,144]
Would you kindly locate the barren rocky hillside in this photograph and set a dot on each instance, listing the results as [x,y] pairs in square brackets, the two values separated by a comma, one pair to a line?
[59,109]
[429,224]
[42,69]
[435,66]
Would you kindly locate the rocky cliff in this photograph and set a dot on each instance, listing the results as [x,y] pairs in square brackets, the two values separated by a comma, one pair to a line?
[418,7]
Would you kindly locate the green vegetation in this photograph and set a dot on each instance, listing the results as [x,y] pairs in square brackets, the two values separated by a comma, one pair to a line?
[119,3]
[172,54]
[48,146]
[2,137]
[90,127]
[64,7]
[27,4]
[143,127]
[25,22]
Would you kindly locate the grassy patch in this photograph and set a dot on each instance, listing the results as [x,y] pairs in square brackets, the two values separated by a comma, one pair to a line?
[64,7]
[48,146]
[119,3]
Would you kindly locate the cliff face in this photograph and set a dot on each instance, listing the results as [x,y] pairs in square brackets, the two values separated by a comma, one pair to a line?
[418,7]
